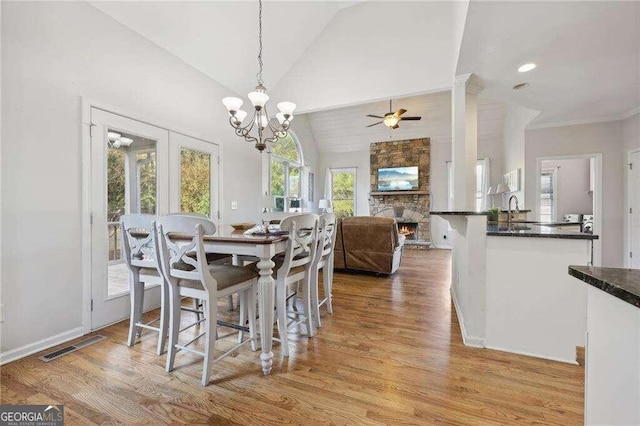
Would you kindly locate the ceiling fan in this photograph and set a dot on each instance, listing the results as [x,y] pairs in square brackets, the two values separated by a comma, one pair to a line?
[391,119]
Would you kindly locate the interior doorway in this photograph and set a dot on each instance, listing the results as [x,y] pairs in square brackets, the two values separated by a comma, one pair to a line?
[569,190]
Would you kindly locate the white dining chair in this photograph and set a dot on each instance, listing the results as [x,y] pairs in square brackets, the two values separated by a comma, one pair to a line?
[140,255]
[178,236]
[323,260]
[294,266]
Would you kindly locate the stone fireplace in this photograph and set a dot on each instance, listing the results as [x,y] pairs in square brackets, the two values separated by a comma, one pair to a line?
[409,208]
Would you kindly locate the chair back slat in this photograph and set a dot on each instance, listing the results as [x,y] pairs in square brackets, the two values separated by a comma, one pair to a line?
[303,233]
[179,236]
[138,250]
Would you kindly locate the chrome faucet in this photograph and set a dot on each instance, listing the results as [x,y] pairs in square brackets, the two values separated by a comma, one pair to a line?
[517,211]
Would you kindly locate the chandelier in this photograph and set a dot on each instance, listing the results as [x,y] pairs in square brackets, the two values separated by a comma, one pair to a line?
[259,129]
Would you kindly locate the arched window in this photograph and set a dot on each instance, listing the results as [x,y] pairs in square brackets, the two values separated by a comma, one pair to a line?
[285,174]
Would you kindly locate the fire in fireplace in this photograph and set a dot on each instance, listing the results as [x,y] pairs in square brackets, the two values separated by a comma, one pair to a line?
[409,230]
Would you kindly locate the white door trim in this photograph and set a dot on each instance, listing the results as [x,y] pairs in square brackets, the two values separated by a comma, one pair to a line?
[85,157]
[627,205]
[597,197]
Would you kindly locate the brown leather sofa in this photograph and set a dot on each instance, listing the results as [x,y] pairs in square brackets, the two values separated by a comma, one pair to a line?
[368,243]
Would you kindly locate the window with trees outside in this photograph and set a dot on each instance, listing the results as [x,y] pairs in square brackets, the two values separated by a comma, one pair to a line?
[286,174]
[343,192]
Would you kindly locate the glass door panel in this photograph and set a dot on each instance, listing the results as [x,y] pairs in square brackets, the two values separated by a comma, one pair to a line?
[195,182]
[343,192]
[125,179]
[194,176]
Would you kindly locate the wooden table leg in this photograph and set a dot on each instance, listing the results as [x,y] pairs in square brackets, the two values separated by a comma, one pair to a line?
[266,301]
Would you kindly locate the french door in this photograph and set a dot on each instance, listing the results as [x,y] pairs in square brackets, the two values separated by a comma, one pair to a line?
[195,176]
[129,174]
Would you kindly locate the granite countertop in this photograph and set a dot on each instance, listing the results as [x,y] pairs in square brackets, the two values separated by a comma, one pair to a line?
[534,230]
[459,213]
[618,282]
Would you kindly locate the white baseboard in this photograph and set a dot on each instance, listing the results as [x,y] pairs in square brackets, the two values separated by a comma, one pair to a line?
[32,348]
[471,341]
[550,358]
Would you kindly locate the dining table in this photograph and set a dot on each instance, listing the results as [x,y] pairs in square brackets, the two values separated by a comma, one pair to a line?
[264,246]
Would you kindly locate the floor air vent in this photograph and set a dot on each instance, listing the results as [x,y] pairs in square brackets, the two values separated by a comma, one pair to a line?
[72,348]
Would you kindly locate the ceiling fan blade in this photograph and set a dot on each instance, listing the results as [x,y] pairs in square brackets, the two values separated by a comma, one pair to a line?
[374,116]
[410,118]
[399,112]
[374,124]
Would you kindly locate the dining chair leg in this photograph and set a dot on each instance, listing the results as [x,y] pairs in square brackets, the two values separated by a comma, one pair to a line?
[315,305]
[242,300]
[164,318]
[230,302]
[306,300]
[197,306]
[211,315]
[327,281]
[251,300]
[174,326]
[281,311]
[136,293]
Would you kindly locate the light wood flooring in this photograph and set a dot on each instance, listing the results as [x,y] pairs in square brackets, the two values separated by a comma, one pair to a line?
[390,354]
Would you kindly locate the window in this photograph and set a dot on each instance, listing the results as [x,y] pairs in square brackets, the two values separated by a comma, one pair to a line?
[343,192]
[285,174]
[548,195]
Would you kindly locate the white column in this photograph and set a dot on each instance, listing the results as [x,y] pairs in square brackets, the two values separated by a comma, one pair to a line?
[464,146]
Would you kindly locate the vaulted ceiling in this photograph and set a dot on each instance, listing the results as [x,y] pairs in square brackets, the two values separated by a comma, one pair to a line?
[325,55]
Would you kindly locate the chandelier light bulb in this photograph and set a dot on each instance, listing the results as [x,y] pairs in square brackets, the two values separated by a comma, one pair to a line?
[258,99]
[233,104]
[287,108]
[262,120]
[116,144]
[240,116]
[280,117]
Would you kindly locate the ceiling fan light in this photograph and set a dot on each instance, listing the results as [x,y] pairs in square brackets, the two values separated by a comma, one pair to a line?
[391,120]
[258,99]
[287,108]
[233,104]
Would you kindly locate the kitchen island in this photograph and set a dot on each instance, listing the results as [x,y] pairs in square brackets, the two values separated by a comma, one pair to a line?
[510,287]
[612,375]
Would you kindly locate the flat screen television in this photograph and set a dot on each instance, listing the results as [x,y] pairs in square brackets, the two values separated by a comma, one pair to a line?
[398,179]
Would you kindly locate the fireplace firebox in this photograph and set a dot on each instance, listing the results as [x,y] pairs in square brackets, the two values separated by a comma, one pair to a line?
[409,230]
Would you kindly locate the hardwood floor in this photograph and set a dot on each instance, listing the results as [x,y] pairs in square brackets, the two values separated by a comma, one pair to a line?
[390,354]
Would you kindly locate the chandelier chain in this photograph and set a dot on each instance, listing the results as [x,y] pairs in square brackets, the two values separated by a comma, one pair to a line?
[259,75]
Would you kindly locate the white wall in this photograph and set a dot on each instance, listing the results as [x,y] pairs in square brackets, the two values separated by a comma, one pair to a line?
[329,73]
[359,159]
[605,138]
[573,180]
[54,53]
[631,132]
[515,121]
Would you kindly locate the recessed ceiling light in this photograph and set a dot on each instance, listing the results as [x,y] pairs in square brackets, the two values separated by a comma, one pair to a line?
[527,67]
[520,86]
